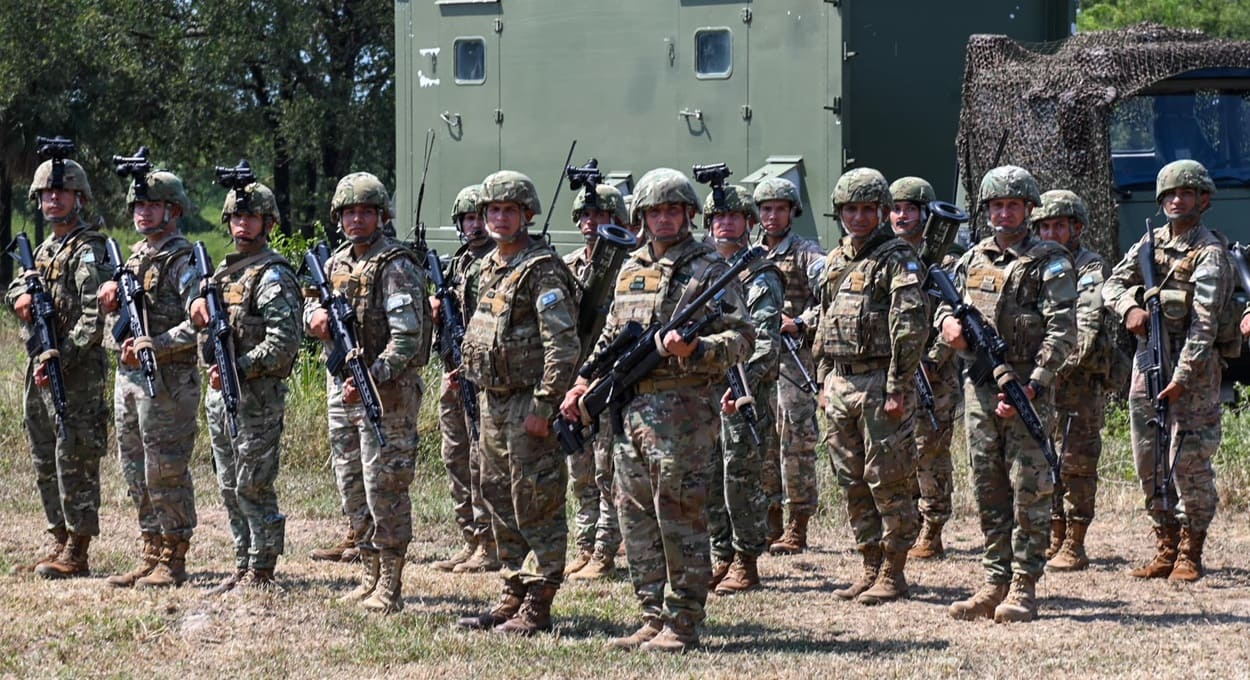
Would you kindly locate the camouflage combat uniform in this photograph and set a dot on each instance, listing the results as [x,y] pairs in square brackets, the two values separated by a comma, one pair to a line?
[582,465]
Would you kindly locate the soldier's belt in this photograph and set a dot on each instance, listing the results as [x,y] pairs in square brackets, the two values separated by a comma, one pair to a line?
[508,391]
[653,385]
[859,367]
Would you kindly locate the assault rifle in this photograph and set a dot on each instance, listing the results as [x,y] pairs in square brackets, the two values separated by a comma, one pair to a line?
[221,336]
[792,344]
[635,352]
[741,394]
[991,350]
[1153,362]
[42,344]
[133,323]
[924,395]
[452,338]
[346,351]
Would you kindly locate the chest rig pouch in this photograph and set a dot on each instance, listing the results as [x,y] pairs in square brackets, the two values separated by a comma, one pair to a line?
[361,285]
[53,261]
[855,323]
[163,303]
[246,319]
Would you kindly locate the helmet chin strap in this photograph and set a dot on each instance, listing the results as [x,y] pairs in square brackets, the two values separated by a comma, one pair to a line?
[67,217]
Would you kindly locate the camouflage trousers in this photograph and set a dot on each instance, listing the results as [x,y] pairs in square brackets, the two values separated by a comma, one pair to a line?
[608,529]
[586,493]
[462,460]
[247,467]
[523,484]
[67,470]
[873,457]
[1080,415]
[1011,482]
[934,471]
[661,490]
[736,504]
[1196,433]
[155,440]
[789,459]
[372,478]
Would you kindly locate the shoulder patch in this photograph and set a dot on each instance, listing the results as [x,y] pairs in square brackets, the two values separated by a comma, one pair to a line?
[188,276]
[1055,267]
[88,256]
[913,266]
[548,299]
[816,268]
[396,300]
[272,275]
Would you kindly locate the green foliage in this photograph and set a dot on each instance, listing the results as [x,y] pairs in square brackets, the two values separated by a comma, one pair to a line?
[1223,18]
[293,246]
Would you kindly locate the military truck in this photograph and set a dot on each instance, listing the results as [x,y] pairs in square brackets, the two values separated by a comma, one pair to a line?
[797,88]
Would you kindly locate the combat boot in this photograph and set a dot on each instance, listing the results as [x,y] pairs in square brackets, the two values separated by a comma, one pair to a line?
[369,570]
[601,564]
[387,596]
[59,537]
[1021,603]
[1189,560]
[929,544]
[872,564]
[674,638]
[71,563]
[258,579]
[743,576]
[149,556]
[583,558]
[720,569]
[344,551]
[485,558]
[773,524]
[507,606]
[229,583]
[891,584]
[172,569]
[1058,533]
[982,603]
[1071,557]
[1166,540]
[650,628]
[794,539]
[534,616]
[466,552]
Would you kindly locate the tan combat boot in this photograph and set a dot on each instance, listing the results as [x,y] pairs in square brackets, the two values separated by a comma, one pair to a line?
[720,569]
[929,544]
[982,603]
[872,564]
[507,606]
[674,638]
[1021,603]
[71,563]
[229,583]
[387,596]
[891,584]
[171,571]
[258,579]
[370,567]
[1166,540]
[534,616]
[343,551]
[601,564]
[59,536]
[1058,533]
[149,556]
[743,576]
[794,539]
[1189,561]
[485,558]
[1071,557]
[773,524]
[583,558]
[466,553]
[650,628]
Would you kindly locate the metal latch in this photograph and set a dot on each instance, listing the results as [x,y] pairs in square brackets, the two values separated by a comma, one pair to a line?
[498,116]
[746,15]
[452,119]
[697,114]
[746,112]
[499,25]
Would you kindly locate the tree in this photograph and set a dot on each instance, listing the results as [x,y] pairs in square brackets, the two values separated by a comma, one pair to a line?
[1222,18]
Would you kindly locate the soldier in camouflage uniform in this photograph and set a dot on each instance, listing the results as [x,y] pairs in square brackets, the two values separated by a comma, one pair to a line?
[1081,385]
[1026,288]
[460,450]
[1196,286]
[870,335]
[384,284]
[595,526]
[156,435]
[662,462]
[521,350]
[934,472]
[736,500]
[72,264]
[263,298]
[790,458]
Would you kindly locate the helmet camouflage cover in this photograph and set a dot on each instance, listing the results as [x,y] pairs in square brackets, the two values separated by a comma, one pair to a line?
[259,201]
[778,189]
[912,189]
[162,187]
[607,198]
[1010,181]
[73,178]
[861,185]
[1183,173]
[660,186]
[1060,203]
[467,201]
[737,199]
[360,188]
[508,186]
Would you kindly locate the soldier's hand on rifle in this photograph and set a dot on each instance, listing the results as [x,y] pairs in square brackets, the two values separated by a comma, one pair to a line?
[22,307]
[788,326]
[1005,409]
[351,395]
[129,356]
[727,403]
[41,376]
[895,406]
[319,324]
[107,296]
[199,312]
[537,426]
[673,345]
[436,305]
[953,333]
[214,377]
[1172,391]
[570,408]
[1135,321]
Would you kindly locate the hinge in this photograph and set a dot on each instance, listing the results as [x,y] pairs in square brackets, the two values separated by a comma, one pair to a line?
[847,54]
[499,25]
[498,116]
[746,15]
[847,159]
[746,112]
[836,107]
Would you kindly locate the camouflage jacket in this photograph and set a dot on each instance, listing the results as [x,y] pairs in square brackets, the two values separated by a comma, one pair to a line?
[263,298]
[799,260]
[765,292]
[167,274]
[1092,356]
[465,263]
[578,262]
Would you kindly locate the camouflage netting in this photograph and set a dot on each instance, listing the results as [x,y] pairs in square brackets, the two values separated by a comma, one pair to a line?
[1049,106]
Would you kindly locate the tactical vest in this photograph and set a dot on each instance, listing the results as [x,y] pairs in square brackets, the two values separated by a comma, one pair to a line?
[163,304]
[1010,296]
[359,283]
[1177,295]
[855,321]
[246,319]
[53,263]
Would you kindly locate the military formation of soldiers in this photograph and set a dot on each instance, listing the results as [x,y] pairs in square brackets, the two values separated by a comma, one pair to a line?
[709,461]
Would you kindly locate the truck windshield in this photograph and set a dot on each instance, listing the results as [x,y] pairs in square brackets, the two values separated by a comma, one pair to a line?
[1210,126]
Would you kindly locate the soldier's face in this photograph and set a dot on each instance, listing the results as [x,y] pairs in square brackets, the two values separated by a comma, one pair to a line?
[56,203]
[730,226]
[246,228]
[775,216]
[1182,203]
[588,222]
[1061,230]
[860,218]
[905,218]
[359,222]
[506,219]
[473,226]
[665,221]
[1008,213]
[150,216]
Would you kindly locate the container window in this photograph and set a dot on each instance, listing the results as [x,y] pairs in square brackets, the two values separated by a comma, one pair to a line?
[470,61]
[713,50]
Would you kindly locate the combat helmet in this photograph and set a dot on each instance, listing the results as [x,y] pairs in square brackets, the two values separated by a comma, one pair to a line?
[607,198]
[660,186]
[467,201]
[160,186]
[360,188]
[510,186]
[1010,181]
[737,199]
[73,177]
[912,189]
[258,199]
[778,189]
[1183,173]
[861,185]
[1060,203]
